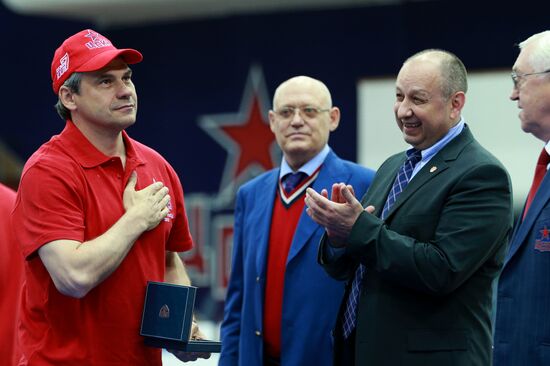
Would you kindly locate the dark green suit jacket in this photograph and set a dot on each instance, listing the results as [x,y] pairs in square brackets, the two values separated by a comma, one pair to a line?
[426,298]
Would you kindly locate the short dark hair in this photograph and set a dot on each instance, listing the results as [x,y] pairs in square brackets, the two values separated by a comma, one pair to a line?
[73,83]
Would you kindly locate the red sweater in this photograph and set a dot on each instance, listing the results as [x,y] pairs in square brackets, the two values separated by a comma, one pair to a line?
[286,214]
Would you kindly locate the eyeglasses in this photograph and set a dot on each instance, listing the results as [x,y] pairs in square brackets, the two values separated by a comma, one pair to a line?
[515,76]
[306,112]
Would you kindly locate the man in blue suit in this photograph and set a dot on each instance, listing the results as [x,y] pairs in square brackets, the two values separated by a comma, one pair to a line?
[522,330]
[281,306]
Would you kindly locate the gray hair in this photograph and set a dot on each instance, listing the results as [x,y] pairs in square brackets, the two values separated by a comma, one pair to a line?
[454,77]
[539,59]
[73,83]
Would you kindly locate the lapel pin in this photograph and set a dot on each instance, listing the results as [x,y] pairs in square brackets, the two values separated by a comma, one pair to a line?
[433,169]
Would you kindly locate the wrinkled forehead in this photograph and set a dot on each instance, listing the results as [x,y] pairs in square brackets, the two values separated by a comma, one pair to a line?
[300,98]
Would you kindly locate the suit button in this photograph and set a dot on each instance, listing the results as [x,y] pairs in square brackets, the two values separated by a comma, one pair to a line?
[258,279]
[258,333]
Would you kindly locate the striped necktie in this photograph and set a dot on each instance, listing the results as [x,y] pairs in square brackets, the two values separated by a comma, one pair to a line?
[293,180]
[401,180]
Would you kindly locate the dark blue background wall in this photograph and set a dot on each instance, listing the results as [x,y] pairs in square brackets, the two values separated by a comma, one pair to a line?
[200,67]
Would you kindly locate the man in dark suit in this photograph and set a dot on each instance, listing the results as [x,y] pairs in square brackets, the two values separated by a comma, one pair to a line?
[522,329]
[421,256]
[281,306]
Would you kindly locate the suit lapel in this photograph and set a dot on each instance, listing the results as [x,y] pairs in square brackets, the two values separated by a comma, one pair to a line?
[524,228]
[439,163]
[265,193]
[331,172]
[421,178]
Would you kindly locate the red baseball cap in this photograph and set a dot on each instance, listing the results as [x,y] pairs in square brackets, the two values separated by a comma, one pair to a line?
[86,51]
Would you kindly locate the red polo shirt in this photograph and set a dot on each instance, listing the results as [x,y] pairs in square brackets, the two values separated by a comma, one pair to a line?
[70,190]
[11,280]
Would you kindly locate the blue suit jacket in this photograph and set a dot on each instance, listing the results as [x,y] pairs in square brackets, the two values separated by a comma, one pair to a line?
[522,328]
[311,298]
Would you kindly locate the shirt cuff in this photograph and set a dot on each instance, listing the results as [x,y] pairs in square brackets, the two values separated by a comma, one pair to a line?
[332,253]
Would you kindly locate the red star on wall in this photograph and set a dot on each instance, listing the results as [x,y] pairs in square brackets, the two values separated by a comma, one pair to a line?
[254,139]
[246,135]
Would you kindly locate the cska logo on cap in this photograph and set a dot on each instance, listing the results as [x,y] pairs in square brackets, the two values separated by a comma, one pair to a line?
[63,65]
[97,40]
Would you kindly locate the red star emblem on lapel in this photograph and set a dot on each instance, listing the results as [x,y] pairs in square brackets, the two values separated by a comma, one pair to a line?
[246,135]
[545,233]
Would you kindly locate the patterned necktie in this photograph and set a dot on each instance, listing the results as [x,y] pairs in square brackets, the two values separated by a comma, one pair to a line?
[401,180]
[540,172]
[292,180]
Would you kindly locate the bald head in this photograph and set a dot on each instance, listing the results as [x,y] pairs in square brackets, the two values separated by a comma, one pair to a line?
[453,76]
[302,119]
[304,84]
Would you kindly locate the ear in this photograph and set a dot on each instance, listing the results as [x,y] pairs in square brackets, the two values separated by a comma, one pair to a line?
[334,114]
[272,122]
[457,103]
[66,96]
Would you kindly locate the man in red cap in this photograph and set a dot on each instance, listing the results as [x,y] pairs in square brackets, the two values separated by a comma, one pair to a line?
[97,216]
